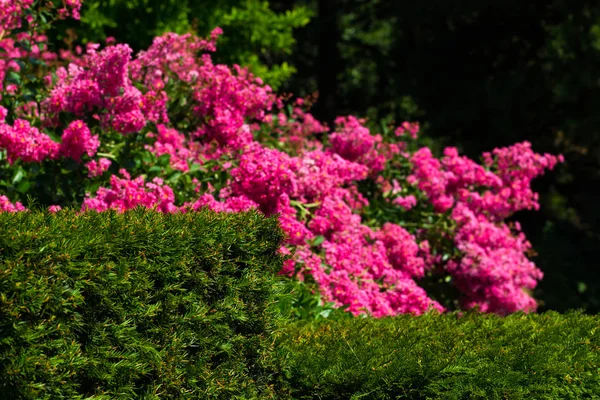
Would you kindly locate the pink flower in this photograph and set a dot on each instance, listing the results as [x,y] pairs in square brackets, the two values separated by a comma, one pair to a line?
[97,168]
[411,127]
[26,142]
[7,206]
[407,202]
[126,194]
[77,140]
[54,209]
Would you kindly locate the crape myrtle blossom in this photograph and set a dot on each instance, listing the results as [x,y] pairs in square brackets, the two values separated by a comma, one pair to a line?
[229,100]
[263,175]
[97,168]
[494,271]
[412,128]
[171,99]
[355,263]
[319,173]
[498,192]
[11,14]
[297,232]
[222,98]
[125,194]
[354,142]
[298,131]
[77,140]
[25,142]
[231,204]
[7,206]
[406,202]
[169,141]
[100,81]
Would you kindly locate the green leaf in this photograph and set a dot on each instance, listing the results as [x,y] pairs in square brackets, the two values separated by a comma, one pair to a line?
[164,160]
[13,77]
[23,186]
[54,136]
[94,187]
[194,167]
[173,178]
[318,240]
[19,173]
[147,157]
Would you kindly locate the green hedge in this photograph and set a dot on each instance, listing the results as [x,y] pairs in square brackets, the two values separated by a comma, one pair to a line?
[542,356]
[137,305]
[144,305]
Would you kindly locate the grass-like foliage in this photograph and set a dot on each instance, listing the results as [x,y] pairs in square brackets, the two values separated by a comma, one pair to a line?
[473,356]
[136,305]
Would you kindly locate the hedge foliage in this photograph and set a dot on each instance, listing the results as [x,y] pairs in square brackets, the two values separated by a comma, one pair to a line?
[473,356]
[144,305]
[137,305]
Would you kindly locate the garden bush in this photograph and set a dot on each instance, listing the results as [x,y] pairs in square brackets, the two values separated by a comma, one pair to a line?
[137,305]
[451,356]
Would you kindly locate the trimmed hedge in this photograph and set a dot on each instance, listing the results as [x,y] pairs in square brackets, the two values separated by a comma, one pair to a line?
[144,305]
[476,356]
[137,305]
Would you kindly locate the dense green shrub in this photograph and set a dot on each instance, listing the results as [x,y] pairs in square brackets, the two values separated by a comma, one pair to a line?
[137,305]
[476,356]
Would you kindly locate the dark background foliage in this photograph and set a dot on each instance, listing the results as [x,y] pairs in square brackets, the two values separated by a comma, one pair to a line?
[476,74]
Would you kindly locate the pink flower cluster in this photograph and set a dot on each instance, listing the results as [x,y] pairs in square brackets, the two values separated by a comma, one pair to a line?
[7,206]
[403,251]
[225,100]
[372,272]
[412,128]
[298,130]
[494,272]
[126,194]
[263,175]
[100,81]
[97,168]
[431,179]
[11,14]
[25,141]
[320,172]
[355,143]
[496,193]
[169,141]
[10,53]
[77,140]
[71,8]
[231,204]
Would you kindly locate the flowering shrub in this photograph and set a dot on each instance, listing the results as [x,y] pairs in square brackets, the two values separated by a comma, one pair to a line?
[367,217]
